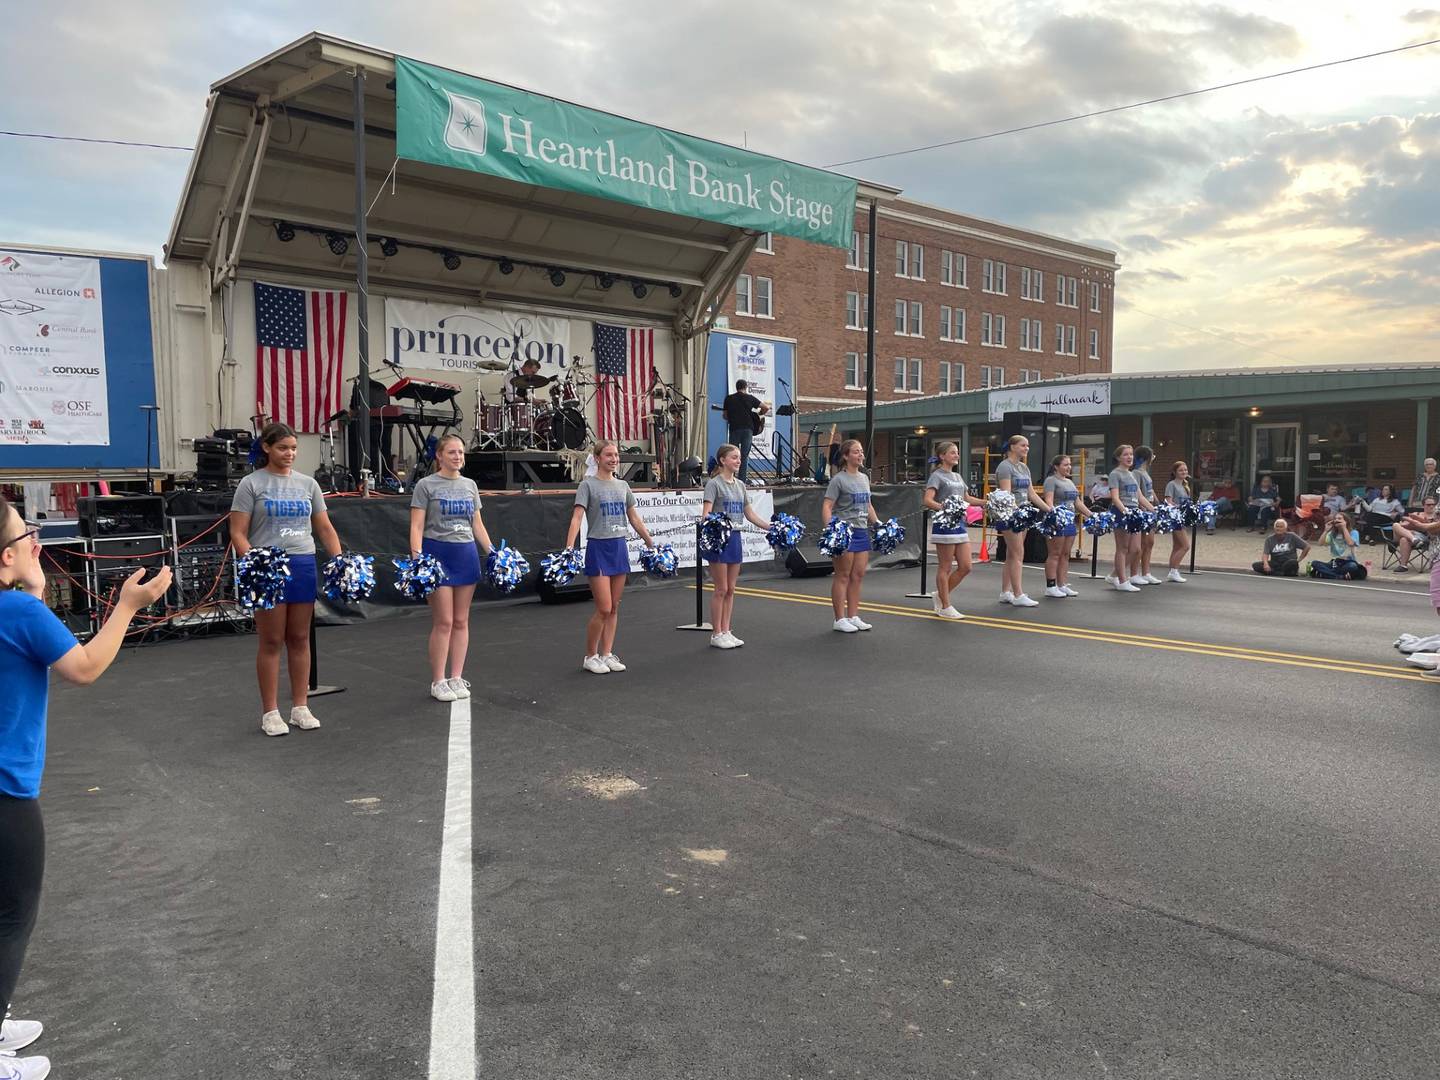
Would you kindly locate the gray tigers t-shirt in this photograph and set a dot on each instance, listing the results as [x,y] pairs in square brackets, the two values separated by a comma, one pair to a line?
[450,507]
[1018,473]
[280,508]
[728,497]
[850,492]
[606,504]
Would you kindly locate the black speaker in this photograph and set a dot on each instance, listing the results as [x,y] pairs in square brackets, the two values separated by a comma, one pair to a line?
[802,565]
[577,588]
[120,515]
[1049,434]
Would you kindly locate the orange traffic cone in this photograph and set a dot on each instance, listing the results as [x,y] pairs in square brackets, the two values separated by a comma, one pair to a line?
[984,550]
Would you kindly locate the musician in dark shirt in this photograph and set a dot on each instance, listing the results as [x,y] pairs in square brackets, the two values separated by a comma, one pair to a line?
[742,412]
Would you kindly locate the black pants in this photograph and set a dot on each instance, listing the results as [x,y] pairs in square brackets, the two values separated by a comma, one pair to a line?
[22,867]
[1278,567]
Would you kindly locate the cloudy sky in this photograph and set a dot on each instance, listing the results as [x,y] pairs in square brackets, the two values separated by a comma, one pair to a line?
[1291,221]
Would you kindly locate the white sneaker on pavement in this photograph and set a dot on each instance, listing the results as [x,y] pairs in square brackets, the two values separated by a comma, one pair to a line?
[1151,579]
[26,1068]
[845,626]
[720,641]
[733,639]
[460,686]
[1056,592]
[303,718]
[1428,660]
[949,613]
[1007,598]
[441,690]
[1068,591]
[595,665]
[859,623]
[1111,579]
[18,1034]
[1126,586]
[1024,601]
[272,723]
[1139,579]
[1174,575]
[613,662]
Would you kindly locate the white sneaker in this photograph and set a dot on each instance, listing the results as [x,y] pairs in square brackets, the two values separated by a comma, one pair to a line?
[1024,601]
[949,613]
[612,662]
[1007,598]
[595,665]
[845,626]
[720,641]
[1111,579]
[1055,591]
[461,687]
[735,641]
[441,691]
[303,718]
[1427,660]
[935,603]
[1126,586]
[26,1068]
[1139,579]
[1068,591]
[18,1034]
[1151,579]
[859,623]
[1174,575]
[272,723]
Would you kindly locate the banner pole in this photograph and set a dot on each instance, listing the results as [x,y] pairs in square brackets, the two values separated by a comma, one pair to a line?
[315,689]
[924,593]
[699,623]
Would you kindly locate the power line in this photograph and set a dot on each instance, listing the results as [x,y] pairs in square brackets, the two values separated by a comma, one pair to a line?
[104,142]
[1132,105]
[1212,333]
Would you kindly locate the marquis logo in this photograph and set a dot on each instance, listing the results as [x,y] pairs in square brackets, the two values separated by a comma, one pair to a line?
[465,129]
[19,307]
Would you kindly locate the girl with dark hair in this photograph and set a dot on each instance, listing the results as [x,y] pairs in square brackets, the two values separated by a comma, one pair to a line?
[848,497]
[275,506]
[951,547]
[1060,490]
[1125,495]
[1177,493]
[32,642]
[726,494]
[1013,475]
[1140,556]
[606,504]
[445,522]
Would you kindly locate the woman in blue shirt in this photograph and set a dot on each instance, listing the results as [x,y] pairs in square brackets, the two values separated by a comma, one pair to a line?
[32,641]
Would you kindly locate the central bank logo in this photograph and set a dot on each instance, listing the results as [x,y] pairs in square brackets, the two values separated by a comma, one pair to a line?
[19,307]
[465,130]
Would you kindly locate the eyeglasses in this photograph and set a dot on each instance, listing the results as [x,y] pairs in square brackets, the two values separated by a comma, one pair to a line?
[32,533]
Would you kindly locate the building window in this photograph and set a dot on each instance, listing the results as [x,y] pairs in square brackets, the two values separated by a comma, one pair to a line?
[1030,330]
[857,311]
[902,316]
[957,331]
[902,259]
[1064,339]
[991,376]
[942,378]
[953,270]
[1070,349]
[984,376]
[742,295]
[992,330]
[992,276]
[901,366]
[766,244]
[907,375]
[854,372]
[1034,375]
[1066,291]
[917,328]
[1094,296]
[998,374]
[908,318]
[1094,344]
[909,260]
[945,310]
[1032,284]
[917,262]
[764,291]
[859,256]
[917,368]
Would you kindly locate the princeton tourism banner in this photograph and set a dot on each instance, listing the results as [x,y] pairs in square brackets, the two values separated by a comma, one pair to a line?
[446,118]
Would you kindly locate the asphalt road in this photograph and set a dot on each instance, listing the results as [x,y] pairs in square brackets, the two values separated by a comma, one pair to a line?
[1187,833]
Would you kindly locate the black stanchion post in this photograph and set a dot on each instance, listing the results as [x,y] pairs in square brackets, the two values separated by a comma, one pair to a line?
[1194,539]
[924,593]
[699,623]
[1094,555]
[316,690]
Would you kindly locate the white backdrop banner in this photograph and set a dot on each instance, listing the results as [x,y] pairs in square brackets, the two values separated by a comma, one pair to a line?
[753,361]
[453,337]
[664,510]
[52,351]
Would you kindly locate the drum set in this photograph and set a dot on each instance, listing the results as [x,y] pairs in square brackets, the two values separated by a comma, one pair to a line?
[524,420]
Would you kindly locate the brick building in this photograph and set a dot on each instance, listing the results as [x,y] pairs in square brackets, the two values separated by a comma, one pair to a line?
[961,304]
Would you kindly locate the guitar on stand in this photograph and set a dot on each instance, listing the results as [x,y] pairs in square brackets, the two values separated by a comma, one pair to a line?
[667,423]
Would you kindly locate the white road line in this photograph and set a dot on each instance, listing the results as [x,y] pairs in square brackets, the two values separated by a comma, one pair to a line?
[452,1010]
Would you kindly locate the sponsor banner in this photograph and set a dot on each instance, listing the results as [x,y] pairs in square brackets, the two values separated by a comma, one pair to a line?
[666,510]
[1073,399]
[52,351]
[753,361]
[446,118]
[440,336]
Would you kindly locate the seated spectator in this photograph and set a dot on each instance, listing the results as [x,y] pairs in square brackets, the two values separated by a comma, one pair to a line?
[1263,506]
[1333,502]
[1426,486]
[1225,495]
[1380,513]
[1410,534]
[1100,490]
[1340,541]
[1281,555]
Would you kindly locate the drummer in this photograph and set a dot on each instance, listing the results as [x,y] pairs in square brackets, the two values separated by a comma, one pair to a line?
[521,387]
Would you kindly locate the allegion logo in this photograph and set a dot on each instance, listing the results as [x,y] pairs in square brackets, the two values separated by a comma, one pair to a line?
[19,307]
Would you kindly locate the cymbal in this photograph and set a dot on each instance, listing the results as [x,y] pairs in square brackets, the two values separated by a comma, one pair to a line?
[490,365]
[532,381]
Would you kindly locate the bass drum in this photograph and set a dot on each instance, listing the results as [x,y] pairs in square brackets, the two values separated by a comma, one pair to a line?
[563,429]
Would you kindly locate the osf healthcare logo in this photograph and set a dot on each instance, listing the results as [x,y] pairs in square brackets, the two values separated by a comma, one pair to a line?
[73,408]
[58,408]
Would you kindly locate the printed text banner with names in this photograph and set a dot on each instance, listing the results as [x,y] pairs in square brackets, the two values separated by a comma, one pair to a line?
[666,510]
[446,118]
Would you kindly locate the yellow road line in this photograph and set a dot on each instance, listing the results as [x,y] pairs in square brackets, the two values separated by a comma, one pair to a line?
[1107,637]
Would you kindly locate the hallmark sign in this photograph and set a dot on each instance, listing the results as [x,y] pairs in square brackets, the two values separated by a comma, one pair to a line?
[1072,399]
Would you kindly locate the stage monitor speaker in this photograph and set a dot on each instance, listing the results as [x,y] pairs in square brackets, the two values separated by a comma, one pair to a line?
[1049,434]
[120,515]
[577,588]
[802,565]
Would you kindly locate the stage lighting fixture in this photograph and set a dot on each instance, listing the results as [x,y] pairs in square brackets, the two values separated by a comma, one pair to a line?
[389,247]
[639,289]
[451,260]
[675,291]
[284,231]
[337,243]
[557,278]
[605,280]
[506,266]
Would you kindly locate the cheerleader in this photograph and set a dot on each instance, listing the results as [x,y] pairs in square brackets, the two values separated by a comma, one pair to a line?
[952,546]
[725,493]
[848,497]
[445,523]
[1013,475]
[1177,493]
[1060,490]
[1140,558]
[605,504]
[1125,495]
[275,506]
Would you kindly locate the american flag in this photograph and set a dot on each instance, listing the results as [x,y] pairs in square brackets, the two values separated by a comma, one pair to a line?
[625,366]
[299,354]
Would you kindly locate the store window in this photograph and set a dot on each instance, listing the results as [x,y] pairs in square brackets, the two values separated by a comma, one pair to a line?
[911,459]
[1217,453]
[1336,449]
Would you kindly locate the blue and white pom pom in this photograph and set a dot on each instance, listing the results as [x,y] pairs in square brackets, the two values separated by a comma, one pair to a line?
[260,578]
[1024,517]
[418,577]
[1169,518]
[785,532]
[660,560]
[1100,523]
[1208,511]
[951,517]
[715,530]
[349,578]
[1055,522]
[558,569]
[887,536]
[834,538]
[1135,520]
[505,568]
[1001,505]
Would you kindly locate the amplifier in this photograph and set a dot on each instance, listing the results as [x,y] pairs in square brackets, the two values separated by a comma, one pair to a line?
[219,471]
[117,557]
[120,515]
[67,583]
[802,565]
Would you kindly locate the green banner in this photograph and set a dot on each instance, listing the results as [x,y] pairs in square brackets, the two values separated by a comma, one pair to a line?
[446,118]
